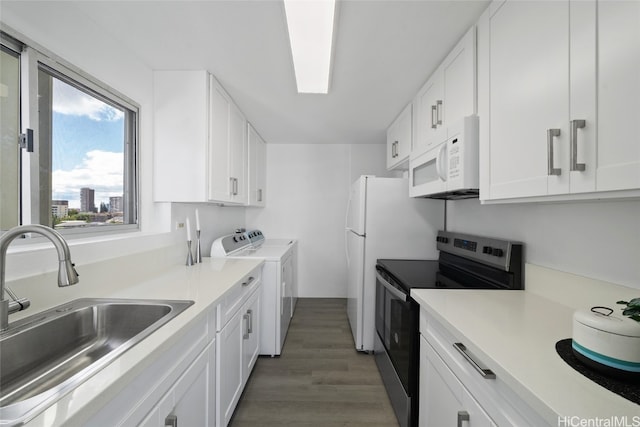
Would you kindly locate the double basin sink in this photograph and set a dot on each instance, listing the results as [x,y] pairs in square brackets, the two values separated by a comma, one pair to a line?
[50,353]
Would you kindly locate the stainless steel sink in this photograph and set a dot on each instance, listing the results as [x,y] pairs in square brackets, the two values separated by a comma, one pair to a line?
[48,354]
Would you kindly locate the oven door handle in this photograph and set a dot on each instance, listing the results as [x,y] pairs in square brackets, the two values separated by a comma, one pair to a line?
[395,291]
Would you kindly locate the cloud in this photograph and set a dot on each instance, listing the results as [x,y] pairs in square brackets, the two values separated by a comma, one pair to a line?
[101,170]
[69,100]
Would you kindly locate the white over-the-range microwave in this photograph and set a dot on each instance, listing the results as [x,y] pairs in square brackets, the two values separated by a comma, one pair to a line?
[448,169]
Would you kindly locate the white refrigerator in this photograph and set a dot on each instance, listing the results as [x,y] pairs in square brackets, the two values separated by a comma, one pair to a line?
[382,221]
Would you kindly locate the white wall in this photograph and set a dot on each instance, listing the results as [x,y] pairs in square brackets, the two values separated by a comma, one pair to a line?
[307,192]
[215,221]
[598,239]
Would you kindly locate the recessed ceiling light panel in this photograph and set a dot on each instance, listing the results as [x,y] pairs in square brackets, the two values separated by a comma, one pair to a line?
[311,24]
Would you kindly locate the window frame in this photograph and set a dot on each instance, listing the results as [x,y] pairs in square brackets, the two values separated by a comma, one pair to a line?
[34,58]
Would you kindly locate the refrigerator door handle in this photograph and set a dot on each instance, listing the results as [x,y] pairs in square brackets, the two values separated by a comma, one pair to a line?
[346,245]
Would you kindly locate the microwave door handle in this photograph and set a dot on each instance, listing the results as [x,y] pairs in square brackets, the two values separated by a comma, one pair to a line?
[441,165]
[394,291]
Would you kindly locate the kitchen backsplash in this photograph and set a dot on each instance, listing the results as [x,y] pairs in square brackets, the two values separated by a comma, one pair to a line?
[593,239]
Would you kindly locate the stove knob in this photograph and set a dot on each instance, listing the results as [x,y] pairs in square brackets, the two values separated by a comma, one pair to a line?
[498,252]
[487,250]
[235,239]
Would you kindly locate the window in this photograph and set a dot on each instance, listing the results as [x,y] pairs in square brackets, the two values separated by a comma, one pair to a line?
[78,172]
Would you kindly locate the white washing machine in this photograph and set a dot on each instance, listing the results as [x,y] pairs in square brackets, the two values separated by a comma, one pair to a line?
[279,281]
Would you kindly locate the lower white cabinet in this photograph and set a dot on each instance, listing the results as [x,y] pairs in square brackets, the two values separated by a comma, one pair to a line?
[443,399]
[229,368]
[188,401]
[251,334]
[460,389]
[237,344]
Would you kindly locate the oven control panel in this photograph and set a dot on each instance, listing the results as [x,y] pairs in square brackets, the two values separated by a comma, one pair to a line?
[499,253]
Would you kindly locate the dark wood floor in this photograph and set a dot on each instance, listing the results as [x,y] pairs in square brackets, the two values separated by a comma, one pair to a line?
[319,380]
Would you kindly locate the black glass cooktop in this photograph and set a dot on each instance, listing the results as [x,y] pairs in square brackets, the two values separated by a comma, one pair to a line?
[412,273]
[450,272]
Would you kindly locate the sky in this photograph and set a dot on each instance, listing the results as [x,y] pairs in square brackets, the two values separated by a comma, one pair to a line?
[88,141]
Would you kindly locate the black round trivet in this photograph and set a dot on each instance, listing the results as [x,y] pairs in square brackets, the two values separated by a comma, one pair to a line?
[630,390]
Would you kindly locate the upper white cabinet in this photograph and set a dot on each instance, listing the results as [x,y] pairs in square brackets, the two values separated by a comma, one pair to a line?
[200,140]
[559,98]
[257,168]
[447,96]
[399,141]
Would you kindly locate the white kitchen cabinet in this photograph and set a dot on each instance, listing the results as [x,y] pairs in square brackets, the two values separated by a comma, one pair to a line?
[237,343]
[200,142]
[257,168]
[559,98]
[180,380]
[230,368]
[448,95]
[227,148]
[443,399]
[399,140]
[251,335]
[453,384]
[188,401]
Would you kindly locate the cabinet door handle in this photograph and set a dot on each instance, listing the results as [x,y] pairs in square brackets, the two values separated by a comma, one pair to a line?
[248,281]
[462,417]
[245,317]
[434,118]
[484,372]
[259,194]
[575,125]
[552,133]
[231,185]
[439,112]
[250,314]
[235,186]
[171,421]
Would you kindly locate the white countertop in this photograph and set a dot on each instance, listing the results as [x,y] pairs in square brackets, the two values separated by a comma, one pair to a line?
[514,333]
[203,283]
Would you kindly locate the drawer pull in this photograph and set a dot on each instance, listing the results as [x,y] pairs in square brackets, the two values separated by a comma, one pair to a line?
[486,373]
[171,421]
[249,280]
[462,417]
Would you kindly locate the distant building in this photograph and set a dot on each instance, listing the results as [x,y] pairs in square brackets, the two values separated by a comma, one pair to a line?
[60,208]
[87,200]
[115,204]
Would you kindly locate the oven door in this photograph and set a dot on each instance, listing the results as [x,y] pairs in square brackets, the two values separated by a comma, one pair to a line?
[396,325]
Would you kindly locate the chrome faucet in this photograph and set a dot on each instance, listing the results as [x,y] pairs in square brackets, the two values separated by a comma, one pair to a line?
[67,274]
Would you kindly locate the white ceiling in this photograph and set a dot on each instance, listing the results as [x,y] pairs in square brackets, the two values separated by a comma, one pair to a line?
[384,52]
